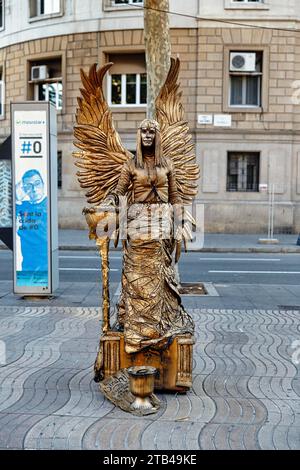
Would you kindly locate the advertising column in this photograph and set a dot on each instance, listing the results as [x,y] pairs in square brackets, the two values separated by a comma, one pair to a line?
[35,231]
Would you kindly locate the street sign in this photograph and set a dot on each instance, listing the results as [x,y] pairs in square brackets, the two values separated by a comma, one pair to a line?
[263,188]
[222,120]
[35,228]
[205,119]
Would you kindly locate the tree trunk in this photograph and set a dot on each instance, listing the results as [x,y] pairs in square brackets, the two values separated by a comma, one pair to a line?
[158,49]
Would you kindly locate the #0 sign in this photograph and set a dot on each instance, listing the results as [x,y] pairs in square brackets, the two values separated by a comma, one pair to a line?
[32,250]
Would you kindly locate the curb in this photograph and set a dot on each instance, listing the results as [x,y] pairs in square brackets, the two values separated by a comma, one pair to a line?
[264,249]
[283,250]
[277,249]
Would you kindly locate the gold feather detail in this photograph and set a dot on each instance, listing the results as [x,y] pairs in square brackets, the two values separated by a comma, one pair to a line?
[101,154]
[176,136]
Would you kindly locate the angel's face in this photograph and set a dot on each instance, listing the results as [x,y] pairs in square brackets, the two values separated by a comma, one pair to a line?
[148,135]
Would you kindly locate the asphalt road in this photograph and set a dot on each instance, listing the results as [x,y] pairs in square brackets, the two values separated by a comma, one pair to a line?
[81,266]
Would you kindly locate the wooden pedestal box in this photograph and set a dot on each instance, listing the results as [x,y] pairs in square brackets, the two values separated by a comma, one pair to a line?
[174,363]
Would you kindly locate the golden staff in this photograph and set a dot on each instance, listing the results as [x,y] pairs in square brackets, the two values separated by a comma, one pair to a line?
[95,216]
[103,246]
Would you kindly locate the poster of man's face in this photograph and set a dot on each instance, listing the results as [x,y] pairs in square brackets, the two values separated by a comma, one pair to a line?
[33,186]
[31,240]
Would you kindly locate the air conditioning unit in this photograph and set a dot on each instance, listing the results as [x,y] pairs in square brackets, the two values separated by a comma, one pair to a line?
[39,72]
[242,62]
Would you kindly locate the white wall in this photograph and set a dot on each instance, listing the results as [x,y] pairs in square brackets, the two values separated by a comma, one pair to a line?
[83,16]
[270,9]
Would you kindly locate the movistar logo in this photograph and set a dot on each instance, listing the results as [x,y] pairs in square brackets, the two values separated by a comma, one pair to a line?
[18,122]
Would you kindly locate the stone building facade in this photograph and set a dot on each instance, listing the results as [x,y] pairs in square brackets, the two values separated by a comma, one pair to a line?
[245,120]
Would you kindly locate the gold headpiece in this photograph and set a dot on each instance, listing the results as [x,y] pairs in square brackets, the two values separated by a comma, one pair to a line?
[149,123]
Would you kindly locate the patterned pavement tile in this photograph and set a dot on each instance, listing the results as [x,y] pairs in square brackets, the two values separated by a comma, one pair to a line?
[245,394]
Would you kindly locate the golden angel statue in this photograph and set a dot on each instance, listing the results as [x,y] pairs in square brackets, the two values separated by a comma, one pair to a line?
[156,182]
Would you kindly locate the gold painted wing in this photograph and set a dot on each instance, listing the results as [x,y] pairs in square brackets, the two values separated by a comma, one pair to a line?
[176,136]
[101,154]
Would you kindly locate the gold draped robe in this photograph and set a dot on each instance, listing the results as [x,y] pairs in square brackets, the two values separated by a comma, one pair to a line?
[150,307]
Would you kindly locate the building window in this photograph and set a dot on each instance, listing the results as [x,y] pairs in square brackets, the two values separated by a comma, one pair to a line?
[59,169]
[128,2]
[246,4]
[1,94]
[247,1]
[127,81]
[44,7]
[49,92]
[110,5]
[1,14]
[45,82]
[128,89]
[243,171]
[245,79]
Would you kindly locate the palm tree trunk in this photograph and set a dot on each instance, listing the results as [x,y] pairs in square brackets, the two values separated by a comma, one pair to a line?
[158,48]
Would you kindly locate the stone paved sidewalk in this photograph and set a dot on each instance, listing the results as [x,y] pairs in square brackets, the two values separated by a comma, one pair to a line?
[245,395]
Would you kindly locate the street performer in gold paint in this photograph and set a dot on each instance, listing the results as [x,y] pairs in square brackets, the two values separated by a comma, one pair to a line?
[150,309]
[157,182]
